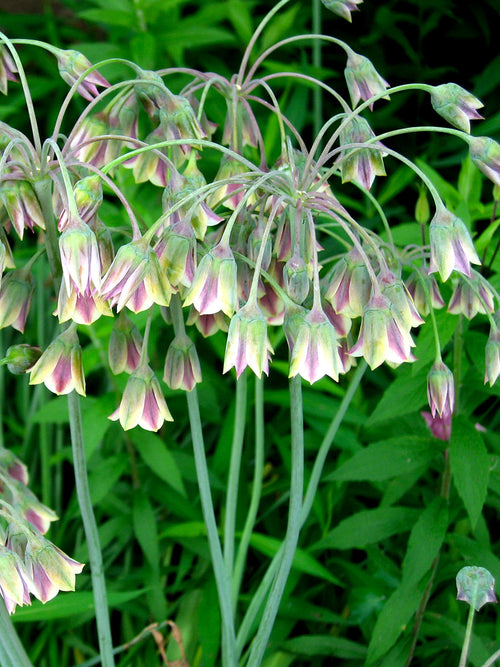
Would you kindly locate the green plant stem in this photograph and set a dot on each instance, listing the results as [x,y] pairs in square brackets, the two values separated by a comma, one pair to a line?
[492,659]
[229,658]
[467,638]
[312,488]
[256,489]
[234,475]
[316,60]
[12,653]
[91,533]
[293,527]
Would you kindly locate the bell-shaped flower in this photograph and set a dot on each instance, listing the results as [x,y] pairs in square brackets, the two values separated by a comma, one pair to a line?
[441,390]
[8,69]
[348,287]
[315,349]
[399,296]
[88,197]
[359,164]
[20,358]
[49,568]
[471,297]
[424,291]
[135,278]
[80,258]
[81,308]
[182,366]
[15,583]
[151,165]
[16,293]
[176,252]
[476,586]
[492,356]
[456,105]
[440,427]
[72,64]
[342,8]
[86,144]
[207,325]
[451,245]
[13,466]
[383,335]
[214,285]
[22,205]
[125,345]
[296,278]
[485,154]
[247,341]
[60,366]
[143,403]
[363,80]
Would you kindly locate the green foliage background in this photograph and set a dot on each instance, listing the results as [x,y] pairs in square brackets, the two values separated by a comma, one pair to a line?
[378,522]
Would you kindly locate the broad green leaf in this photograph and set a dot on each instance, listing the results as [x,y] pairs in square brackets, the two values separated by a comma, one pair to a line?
[336,647]
[367,527]
[104,477]
[470,466]
[209,624]
[425,350]
[302,561]
[187,529]
[425,541]
[70,604]
[157,457]
[124,19]
[54,411]
[448,192]
[386,459]
[407,393]
[145,528]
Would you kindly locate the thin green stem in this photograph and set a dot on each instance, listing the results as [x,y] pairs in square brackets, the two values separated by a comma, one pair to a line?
[256,489]
[314,480]
[468,636]
[316,60]
[491,660]
[234,475]
[12,653]
[91,532]
[229,657]
[293,527]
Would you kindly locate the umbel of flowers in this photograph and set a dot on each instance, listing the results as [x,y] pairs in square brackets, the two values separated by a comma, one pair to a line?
[242,252]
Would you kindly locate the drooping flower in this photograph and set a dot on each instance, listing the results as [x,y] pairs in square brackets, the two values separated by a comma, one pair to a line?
[80,258]
[296,278]
[72,65]
[49,568]
[125,344]
[424,291]
[8,69]
[363,80]
[247,341]
[399,296]
[485,154]
[60,366]
[182,366]
[342,8]
[81,308]
[14,580]
[492,356]
[441,390]
[214,285]
[348,287]
[383,335]
[22,205]
[476,586]
[451,245]
[456,105]
[16,293]
[359,164]
[143,403]
[440,427]
[471,297]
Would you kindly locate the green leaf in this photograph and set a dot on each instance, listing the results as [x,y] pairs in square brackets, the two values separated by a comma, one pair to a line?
[145,528]
[104,477]
[157,457]
[386,459]
[54,411]
[406,394]
[470,466]
[367,527]
[123,19]
[336,647]
[302,561]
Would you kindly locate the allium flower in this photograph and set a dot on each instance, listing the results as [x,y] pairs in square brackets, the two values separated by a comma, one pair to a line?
[151,165]
[485,154]
[247,342]
[20,358]
[451,245]
[80,308]
[348,287]
[472,297]
[14,580]
[176,252]
[88,198]
[363,80]
[342,8]
[214,285]
[60,366]
[230,194]
[315,349]
[135,278]
[7,69]
[456,105]
[16,494]
[440,427]
[125,344]
[13,466]
[360,165]
[492,356]
[50,569]
[22,205]
[399,296]
[246,123]
[421,294]
[207,325]
[72,64]
[441,390]
[182,366]
[16,293]
[80,259]
[476,586]
[86,145]
[296,278]
[383,336]
[142,402]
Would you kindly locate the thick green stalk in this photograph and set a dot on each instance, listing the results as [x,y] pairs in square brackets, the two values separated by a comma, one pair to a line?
[293,526]
[241,556]
[12,653]
[229,657]
[91,533]
[234,473]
